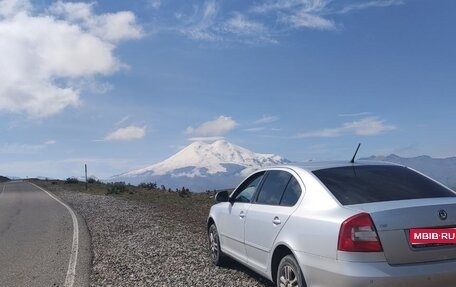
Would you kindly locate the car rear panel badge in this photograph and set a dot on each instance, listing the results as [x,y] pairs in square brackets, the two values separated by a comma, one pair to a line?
[443,214]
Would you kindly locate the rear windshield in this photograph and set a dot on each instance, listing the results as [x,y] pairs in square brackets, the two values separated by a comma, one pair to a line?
[373,183]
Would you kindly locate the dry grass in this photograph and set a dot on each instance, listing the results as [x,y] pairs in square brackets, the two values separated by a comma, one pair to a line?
[191,210]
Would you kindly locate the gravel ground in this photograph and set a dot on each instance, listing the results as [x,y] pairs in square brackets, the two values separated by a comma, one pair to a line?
[142,244]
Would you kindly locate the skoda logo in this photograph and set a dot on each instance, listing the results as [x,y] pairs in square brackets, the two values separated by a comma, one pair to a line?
[443,214]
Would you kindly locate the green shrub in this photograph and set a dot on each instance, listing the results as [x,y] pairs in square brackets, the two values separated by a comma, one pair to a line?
[116,187]
[149,185]
[71,180]
[184,192]
[92,180]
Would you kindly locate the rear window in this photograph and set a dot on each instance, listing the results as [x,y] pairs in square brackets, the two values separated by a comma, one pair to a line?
[364,184]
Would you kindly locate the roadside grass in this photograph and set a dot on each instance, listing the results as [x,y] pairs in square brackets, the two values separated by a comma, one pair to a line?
[191,209]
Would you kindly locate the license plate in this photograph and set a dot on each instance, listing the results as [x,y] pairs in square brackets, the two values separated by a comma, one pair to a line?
[437,236]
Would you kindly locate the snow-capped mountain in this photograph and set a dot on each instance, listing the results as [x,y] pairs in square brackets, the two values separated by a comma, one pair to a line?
[201,166]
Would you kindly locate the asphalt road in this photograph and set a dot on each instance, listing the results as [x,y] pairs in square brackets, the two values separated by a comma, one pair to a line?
[42,241]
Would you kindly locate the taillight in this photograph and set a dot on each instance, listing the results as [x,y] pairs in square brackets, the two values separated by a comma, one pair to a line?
[358,234]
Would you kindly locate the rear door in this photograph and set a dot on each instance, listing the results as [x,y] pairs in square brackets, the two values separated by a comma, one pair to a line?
[275,202]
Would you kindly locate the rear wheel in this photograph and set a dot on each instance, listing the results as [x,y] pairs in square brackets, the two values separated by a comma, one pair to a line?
[289,274]
[214,245]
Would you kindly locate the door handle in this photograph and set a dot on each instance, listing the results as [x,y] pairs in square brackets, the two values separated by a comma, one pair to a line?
[242,214]
[276,221]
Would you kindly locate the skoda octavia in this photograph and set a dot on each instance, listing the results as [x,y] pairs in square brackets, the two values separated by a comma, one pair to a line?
[337,224]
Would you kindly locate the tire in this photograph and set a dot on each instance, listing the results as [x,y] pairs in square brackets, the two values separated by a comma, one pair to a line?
[289,274]
[214,245]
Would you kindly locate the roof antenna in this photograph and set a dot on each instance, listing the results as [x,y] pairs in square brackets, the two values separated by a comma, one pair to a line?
[353,159]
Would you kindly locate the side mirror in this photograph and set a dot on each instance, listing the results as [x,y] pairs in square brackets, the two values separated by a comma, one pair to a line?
[222,196]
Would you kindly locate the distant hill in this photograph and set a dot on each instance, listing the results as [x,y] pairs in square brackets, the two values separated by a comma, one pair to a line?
[203,166]
[440,169]
[4,179]
[219,165]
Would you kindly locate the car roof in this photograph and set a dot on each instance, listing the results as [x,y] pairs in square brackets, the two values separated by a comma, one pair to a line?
[312,166]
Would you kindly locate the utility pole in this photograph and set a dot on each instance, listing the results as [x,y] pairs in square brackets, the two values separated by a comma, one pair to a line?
[86,175]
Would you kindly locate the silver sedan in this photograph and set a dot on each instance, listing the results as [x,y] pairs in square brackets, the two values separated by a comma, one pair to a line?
[337,224]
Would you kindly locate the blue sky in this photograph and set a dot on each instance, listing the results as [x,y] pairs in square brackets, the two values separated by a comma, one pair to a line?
[123,84]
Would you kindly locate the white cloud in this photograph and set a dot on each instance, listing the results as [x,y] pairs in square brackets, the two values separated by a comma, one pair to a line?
[307,5]
[90,84]
[154,3]
[15,148]
[254,130]
[200,26]
[18,148]
[355,114]
[207,22]
[304,19]
[364,127]
[298,13]
[112,27]
[314,14]
[240,24]
[266,119]
[127,133]
[44,54]
[122,121]
[10,8]
[248,29]
[257,22]
[370,4]
[368,126]
[262,129]
[213,128]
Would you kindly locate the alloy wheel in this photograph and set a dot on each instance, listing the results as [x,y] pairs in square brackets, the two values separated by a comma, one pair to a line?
[214,245]
[288,277]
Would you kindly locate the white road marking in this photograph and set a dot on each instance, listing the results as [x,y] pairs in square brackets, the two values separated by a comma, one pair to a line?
[71,273]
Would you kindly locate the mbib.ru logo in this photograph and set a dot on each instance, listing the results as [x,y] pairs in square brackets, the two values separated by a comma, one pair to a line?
[433,236]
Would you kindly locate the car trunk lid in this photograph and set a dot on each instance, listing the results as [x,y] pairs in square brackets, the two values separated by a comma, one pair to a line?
[393,221]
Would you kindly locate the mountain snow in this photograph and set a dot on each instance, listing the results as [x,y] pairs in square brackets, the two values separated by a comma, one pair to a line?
[206,166]
[202,166]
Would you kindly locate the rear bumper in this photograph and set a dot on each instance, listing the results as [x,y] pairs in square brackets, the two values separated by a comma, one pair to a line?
[323,272]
